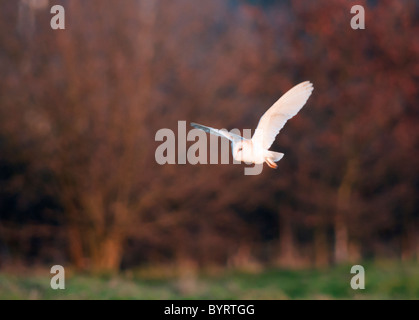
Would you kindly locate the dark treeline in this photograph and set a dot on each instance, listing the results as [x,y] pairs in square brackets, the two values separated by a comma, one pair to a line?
[80,107]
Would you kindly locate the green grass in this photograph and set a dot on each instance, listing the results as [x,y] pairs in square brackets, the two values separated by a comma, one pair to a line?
[389,280]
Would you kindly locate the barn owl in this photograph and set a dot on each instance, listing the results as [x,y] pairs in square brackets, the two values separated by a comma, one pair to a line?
[255,150]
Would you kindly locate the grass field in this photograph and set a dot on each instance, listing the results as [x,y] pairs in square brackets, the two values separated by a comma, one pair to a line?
[390,280]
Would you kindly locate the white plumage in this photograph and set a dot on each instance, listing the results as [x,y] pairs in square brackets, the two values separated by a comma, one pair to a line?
[256,150]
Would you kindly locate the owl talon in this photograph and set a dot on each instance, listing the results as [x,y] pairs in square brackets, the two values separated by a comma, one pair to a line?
[271,164]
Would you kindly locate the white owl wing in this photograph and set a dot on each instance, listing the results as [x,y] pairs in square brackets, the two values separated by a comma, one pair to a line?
[275,118]
[222,133]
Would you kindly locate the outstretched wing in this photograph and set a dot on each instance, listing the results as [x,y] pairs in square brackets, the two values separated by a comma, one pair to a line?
[275,118]
[222,133]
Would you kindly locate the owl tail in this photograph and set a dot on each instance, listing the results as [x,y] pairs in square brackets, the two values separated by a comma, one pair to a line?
[273,157]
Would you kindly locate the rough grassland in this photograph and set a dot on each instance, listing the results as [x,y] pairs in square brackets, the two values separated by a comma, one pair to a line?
[391,280]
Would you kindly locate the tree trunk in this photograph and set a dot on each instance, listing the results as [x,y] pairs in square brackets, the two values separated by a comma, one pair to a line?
[341,238]
[75,246]
[343,207]
[106,254]
[321,258]
[287,249]
[88,250]
[410,242]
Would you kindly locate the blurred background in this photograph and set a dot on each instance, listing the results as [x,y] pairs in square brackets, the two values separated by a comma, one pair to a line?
[80,107]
